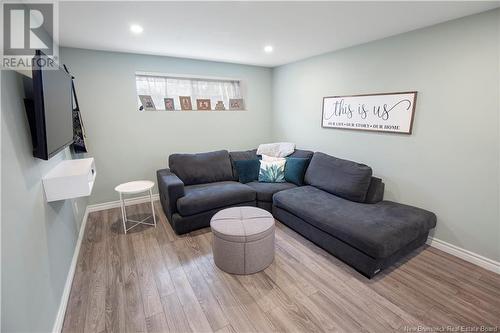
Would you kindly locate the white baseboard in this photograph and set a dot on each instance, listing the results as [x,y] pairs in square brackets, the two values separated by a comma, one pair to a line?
[116,204]
[69,279]
[466,255]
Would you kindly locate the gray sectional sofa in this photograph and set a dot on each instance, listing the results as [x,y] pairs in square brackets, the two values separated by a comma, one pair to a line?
[340,208]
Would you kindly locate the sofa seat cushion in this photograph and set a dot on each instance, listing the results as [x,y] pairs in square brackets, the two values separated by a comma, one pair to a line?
[265,191]
[203,197]
[378,230]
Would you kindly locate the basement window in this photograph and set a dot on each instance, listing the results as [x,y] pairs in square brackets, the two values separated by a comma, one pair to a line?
[165,92]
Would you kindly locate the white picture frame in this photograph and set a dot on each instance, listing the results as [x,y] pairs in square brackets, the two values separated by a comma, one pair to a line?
[382,112]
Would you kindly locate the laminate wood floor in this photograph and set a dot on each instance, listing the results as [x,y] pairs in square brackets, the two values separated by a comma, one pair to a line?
[152,280]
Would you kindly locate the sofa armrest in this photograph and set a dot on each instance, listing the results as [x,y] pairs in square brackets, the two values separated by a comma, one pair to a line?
[375,191]
[171,188]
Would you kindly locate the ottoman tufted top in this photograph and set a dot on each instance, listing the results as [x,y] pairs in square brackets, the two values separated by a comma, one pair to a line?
[242,224]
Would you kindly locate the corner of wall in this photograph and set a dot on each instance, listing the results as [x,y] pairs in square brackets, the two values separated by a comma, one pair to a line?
[498,134]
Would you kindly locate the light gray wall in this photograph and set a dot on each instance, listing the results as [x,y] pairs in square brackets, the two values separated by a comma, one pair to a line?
[450,164]
[128,144]
[38,238]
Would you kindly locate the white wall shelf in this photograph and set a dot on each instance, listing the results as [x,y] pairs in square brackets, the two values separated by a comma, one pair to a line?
[70,179]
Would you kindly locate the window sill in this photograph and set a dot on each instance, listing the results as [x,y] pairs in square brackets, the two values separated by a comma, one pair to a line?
[192,110]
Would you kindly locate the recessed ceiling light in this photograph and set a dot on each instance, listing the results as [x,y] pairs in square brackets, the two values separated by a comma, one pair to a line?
[268,49]
[136,29]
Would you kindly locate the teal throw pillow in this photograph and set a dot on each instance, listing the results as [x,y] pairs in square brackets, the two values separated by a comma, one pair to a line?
[272,171]
[295,169]
[248,170]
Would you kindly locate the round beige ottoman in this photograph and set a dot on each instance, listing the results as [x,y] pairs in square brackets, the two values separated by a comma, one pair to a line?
[243,239]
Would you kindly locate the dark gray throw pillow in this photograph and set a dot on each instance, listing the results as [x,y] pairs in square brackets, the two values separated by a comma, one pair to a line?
[241,155]
[248,170]
[346,179]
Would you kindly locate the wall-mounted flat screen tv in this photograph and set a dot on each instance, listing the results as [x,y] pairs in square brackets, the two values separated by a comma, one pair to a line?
[49,106]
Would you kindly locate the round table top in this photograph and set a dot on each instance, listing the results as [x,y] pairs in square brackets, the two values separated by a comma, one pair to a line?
[242,224]
[135,186]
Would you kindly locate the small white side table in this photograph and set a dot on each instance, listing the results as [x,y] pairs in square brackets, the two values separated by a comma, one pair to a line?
[134,188]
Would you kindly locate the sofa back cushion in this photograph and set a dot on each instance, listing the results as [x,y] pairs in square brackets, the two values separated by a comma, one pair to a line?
[299,153]
[201,168]
[375,191]
[346,179]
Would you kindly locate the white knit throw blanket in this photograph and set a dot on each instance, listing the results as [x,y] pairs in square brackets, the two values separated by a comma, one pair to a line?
[277,149]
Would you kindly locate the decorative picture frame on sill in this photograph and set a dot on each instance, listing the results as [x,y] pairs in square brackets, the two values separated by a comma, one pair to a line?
[169,104]
[203,104]
[185,102]
[147,103]
[236,104]
[220,106]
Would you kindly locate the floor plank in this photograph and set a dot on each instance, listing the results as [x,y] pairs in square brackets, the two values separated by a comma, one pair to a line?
[211,308]
[95,313]
[195,315]
[135,320]
[149,291]
[115,292]
[174,314]
[151,280]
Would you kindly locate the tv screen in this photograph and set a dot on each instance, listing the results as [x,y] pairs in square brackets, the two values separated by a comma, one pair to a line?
[52,107]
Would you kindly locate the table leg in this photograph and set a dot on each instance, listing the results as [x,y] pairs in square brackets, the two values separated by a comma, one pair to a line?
[152,206]
[124,213]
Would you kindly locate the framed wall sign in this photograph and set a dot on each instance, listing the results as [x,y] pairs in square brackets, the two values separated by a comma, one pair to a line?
[386,112]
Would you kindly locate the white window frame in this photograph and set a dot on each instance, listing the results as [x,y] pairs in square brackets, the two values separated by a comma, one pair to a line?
[242,83]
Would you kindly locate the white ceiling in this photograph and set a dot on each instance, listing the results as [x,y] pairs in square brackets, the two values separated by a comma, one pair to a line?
[238,31]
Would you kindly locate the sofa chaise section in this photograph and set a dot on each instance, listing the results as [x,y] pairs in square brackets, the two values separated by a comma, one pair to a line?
[341,210]
[378,229]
